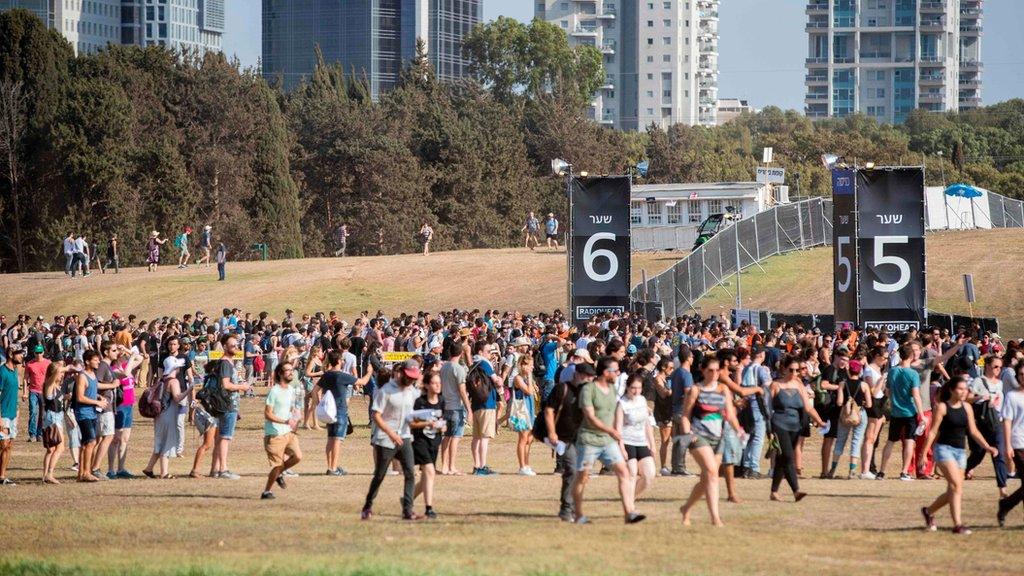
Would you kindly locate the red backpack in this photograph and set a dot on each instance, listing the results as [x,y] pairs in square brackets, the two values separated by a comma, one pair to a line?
[151,404]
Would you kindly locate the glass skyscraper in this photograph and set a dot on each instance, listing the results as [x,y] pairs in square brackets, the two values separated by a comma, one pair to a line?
[371,37]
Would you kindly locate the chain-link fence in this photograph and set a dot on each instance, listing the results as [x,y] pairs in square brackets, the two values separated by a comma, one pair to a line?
[781,229]
[1004,212]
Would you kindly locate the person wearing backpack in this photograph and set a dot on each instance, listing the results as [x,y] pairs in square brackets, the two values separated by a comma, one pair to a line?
[562,417]
[339,384]
[854,398]
[484,405]
[165,426]
[228,377]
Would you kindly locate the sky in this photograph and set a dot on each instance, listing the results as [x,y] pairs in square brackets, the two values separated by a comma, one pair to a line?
[762,47]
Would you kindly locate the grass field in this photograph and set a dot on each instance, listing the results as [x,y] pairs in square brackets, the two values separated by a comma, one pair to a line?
[494,525]
[802,281]
[508,279]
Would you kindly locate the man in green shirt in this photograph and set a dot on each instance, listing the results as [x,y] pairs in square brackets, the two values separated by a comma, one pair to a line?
[599,440]
[9,390]
[279,439]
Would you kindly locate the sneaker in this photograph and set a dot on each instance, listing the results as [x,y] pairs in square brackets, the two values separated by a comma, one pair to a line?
[962,530]
[366,514]
[280,481]
[100,475]
[392,472]
[411,516]
[666,472]
[582,520]
[526,472]
[268,495]
[7,482]
[867,476]
[751,475]
[430,514]
[332,473]
[906,477]
[566,517]
[74,467]
[879,475]
[635,518]
[488,471]
[684,473]
[125,475]
[476,472]
[929,519]
[111,475]
[290,474]
[341,471]
[1001,513]
[228,475]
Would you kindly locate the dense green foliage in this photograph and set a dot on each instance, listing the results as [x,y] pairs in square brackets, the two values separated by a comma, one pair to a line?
[132,140]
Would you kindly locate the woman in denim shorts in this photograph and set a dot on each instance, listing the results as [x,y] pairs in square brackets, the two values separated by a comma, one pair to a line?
[952,420]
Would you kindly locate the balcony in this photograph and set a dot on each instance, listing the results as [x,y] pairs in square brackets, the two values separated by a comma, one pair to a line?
[608,47]
[816,25]
[970,13]
[585,31]
[709,47]
[932,60]
[932,7]
[607,13]
[817,60]
[709,16]
[876,56]
[970,29]
[609,84]
[932,79]
[972,83]
[933,25]
[817,8]
[816,112]
[931,97]
[971,66]
[843,59]
[816,79]
[970,101]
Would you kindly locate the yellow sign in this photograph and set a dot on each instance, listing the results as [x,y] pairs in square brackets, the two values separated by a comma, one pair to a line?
[218,354]
[398,356]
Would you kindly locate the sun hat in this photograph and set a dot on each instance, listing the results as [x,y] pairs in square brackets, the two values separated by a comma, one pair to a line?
[154,233]
[522,341]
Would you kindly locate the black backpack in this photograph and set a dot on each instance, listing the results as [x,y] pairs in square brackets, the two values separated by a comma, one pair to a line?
[478,384]
[215,400]
[540,368]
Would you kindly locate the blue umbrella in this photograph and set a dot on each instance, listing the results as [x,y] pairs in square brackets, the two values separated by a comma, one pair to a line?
[642,168]
[963,191]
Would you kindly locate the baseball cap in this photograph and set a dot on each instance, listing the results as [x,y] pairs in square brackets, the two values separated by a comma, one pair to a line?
[586,370]
[38,349]
[631,349]
[411,369]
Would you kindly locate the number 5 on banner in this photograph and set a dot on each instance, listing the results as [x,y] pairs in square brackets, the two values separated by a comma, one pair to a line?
[881,259]
[589,255]
[844,262]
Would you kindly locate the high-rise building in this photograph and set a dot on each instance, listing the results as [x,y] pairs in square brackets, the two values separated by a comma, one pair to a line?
[884,58]
[90,25]
[660,58]
[375,37]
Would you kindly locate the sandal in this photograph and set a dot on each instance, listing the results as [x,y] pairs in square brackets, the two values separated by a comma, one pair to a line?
[148,473]
[167,477]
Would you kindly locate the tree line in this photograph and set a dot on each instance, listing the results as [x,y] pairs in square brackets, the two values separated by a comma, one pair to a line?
[133,139]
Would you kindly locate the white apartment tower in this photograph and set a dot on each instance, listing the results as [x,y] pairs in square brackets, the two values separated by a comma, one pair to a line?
[884,58]
[660,57]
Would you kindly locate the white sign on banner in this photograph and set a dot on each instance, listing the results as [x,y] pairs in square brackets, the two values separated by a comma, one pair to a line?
[771,175]
[767,155]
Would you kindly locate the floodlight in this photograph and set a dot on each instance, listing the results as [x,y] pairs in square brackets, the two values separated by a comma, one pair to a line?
[559,166]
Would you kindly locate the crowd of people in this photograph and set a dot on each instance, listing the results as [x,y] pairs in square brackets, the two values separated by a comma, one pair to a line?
[640,398]
[80,256]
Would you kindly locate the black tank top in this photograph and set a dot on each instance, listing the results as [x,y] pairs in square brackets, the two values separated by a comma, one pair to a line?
[953,428]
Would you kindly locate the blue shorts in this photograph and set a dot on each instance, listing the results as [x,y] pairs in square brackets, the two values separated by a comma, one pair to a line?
[947,453]
[226,424]
[456,421]
[87,428]
[609,455]
[123,418]
[340,427]
[732,451]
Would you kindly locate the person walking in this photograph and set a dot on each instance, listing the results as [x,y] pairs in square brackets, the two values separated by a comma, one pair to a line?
[68,246]
[598,440]
[563,418]
[9,392]
[522,412]
[985,394]
[905,392]
[755,416]
[339,384]
[427,425]
[663,410]
[81,260]
[341,240]
[391,437]
[181,242]
[206,245]
[532,230]
[222,261]
[280,417]
[551,230]
[1013,435]
[952,421]
[708,407]
[791,407]
[426,235]
[153,250]
[52,420]
[633,421]
[112,256]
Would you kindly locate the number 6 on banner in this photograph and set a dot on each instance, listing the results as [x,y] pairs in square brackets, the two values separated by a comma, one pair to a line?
[589,255]
[881,259]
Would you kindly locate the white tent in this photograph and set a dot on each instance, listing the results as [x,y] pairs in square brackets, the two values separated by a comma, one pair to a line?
[955,212]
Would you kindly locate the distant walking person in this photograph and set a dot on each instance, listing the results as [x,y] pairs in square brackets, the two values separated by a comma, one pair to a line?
[222,261]
[551,229]
[69,253]
[181,243]
[426,235]
[153,250]
[532,231]
[206,245]
[81,258]
[112,257]
[341,239]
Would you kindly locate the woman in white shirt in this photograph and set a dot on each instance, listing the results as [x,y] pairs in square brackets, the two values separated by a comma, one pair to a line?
[633,422]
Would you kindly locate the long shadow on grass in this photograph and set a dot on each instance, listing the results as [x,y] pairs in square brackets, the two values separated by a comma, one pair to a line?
[500,514]
[982,528]
[191,496]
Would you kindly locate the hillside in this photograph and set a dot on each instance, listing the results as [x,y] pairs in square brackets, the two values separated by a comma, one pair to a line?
[507,279]
[802,281]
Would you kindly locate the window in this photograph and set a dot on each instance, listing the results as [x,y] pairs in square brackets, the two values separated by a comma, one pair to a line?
[650,111]
[667,40]
[650,76]
[635,212]
[675,212]
[650,41]
[564,23]
[667,5]
[693,211]
[654,213]
[714,207]
[650,93]
[650,23]
[880,93]
[666,58]
[650,59]
[667,23]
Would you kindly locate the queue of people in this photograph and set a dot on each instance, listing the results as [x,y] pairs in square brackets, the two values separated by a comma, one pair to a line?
[621,396]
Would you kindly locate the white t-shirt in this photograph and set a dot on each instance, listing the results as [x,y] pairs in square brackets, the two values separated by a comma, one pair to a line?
[1013,411]
[635,419]
[348,363]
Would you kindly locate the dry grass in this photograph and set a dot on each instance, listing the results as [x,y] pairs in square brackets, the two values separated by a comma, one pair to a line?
[802,281]
[497,525]
[508,279]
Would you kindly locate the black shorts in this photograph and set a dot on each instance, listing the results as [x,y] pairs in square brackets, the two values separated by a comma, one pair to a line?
[552,236]
[902,428]
[637,452]
[424,450]
[876,408]
[88,430]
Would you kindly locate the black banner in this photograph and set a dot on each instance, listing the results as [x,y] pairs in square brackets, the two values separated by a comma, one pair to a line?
[599,250]
[890,247]
[844,235]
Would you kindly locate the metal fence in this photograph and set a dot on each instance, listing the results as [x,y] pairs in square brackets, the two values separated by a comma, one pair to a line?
[662,238]
[1004,212]
[779,230]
